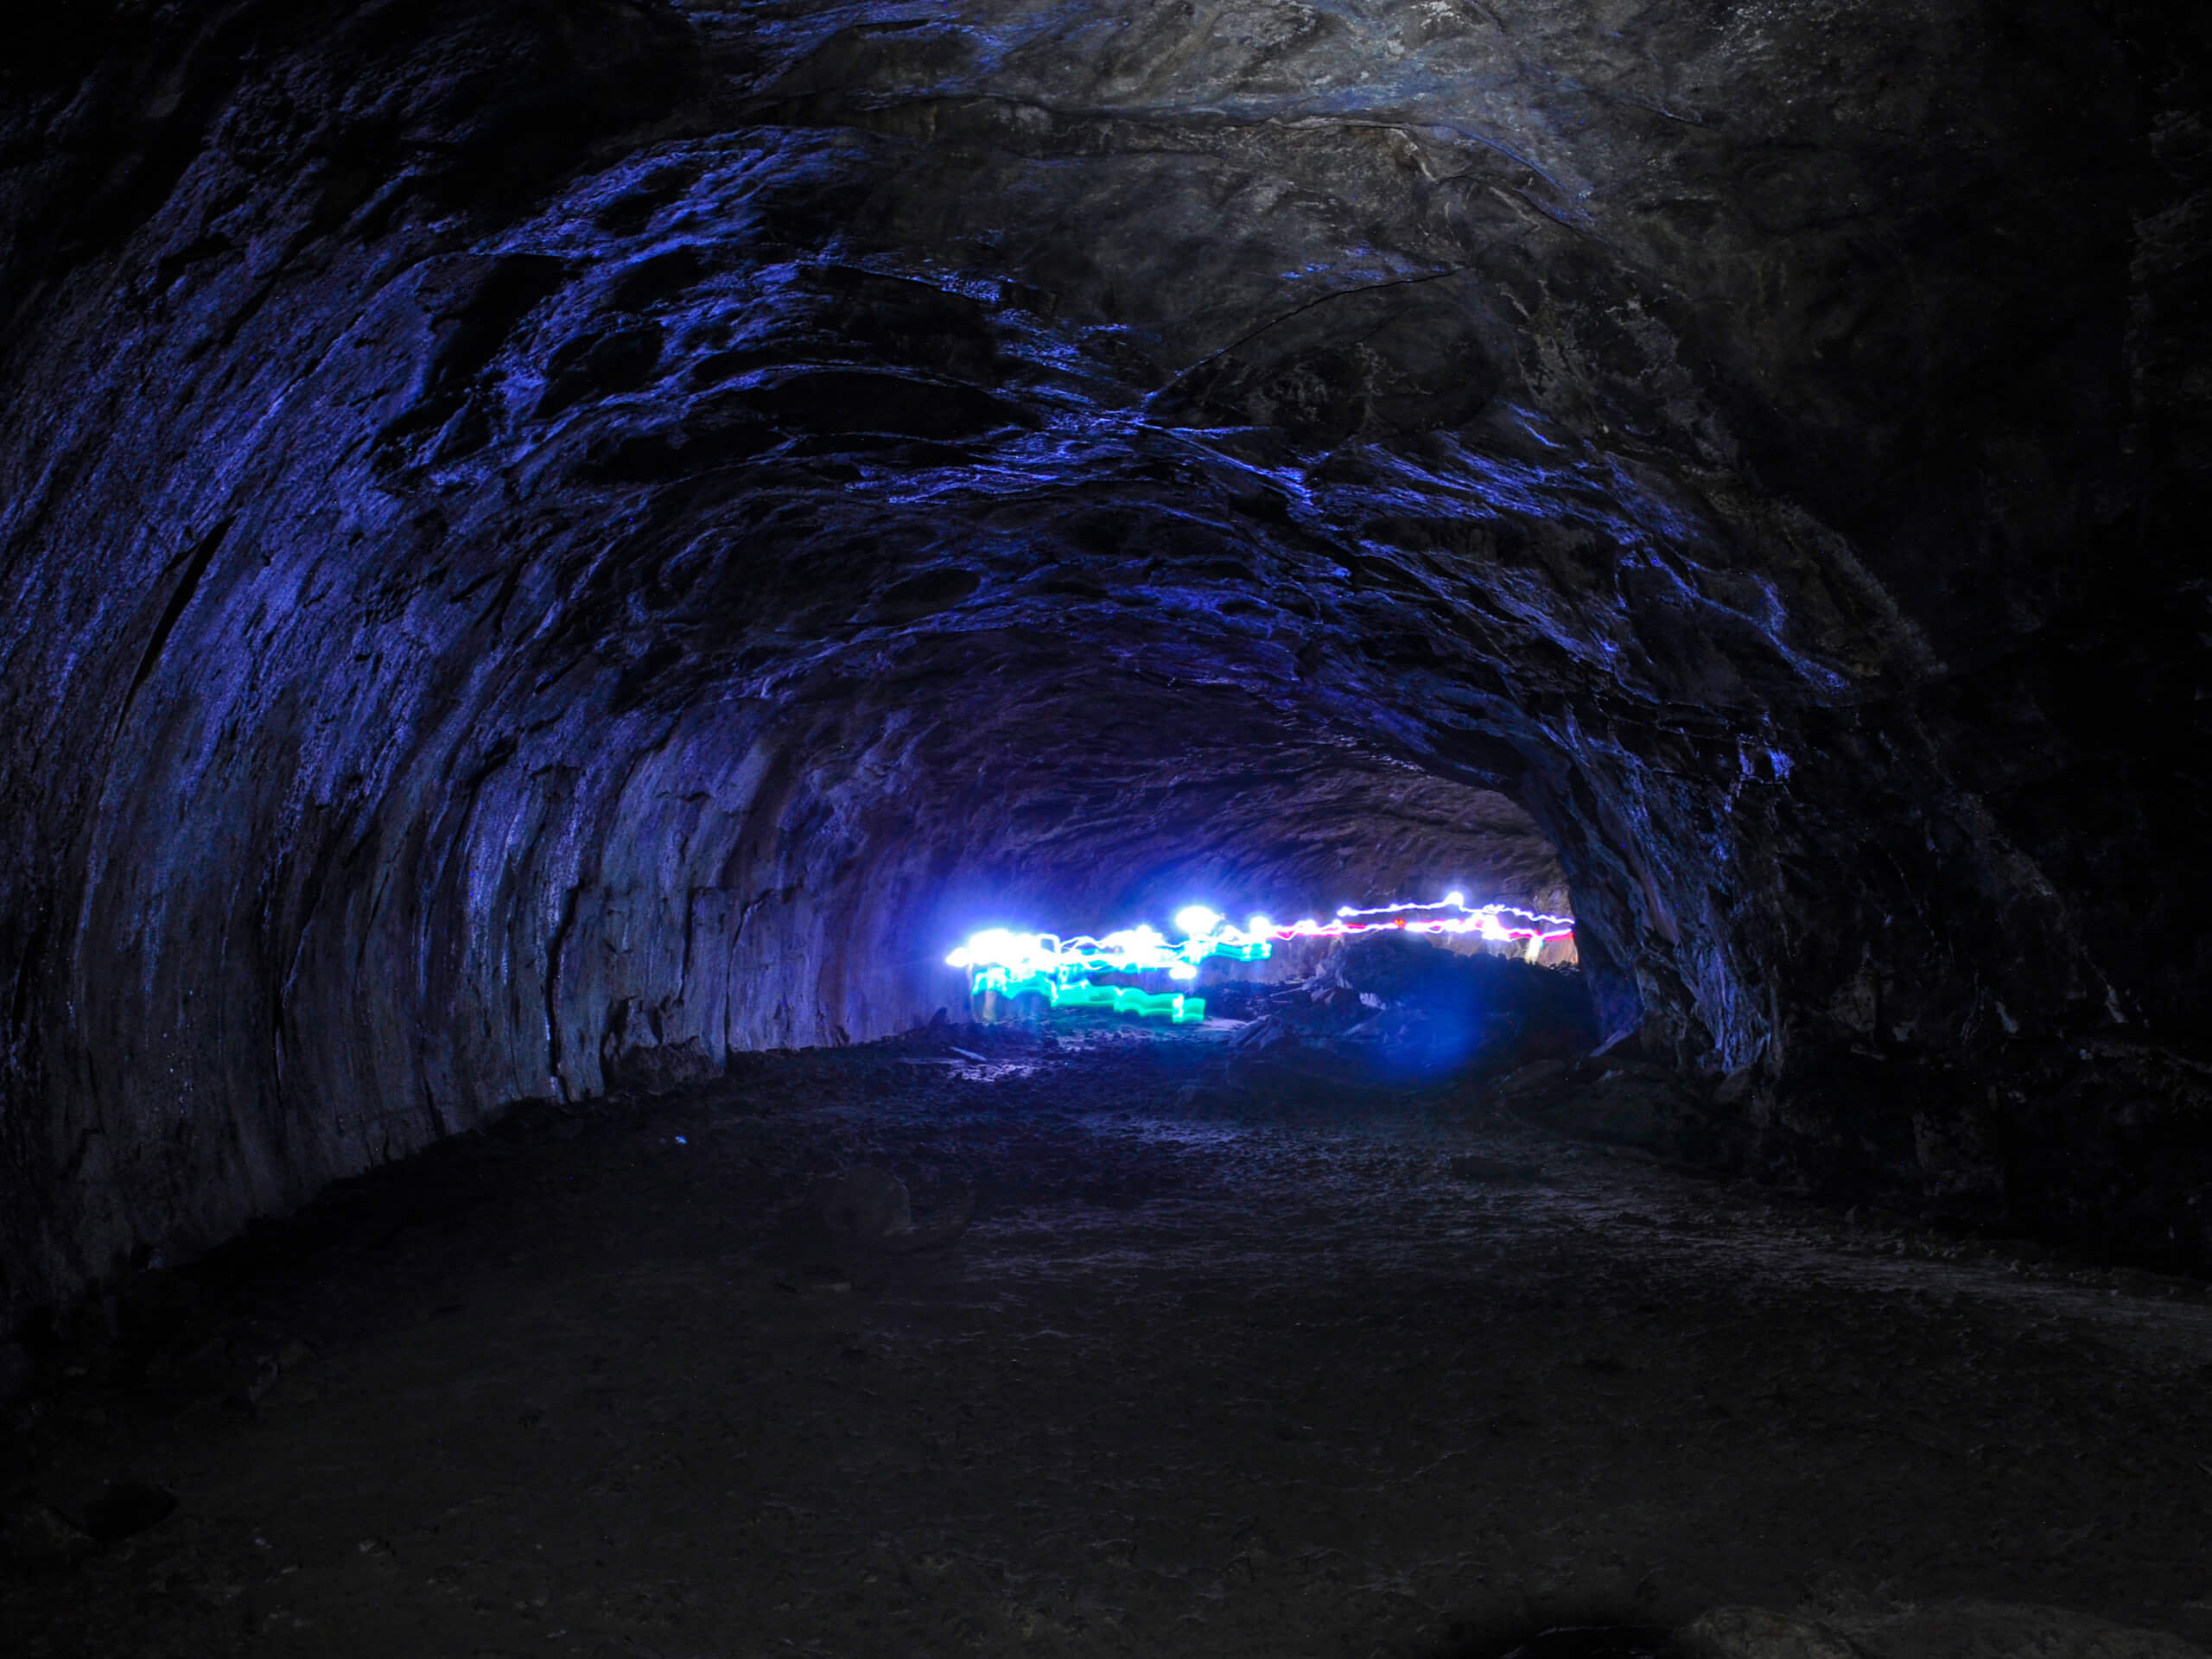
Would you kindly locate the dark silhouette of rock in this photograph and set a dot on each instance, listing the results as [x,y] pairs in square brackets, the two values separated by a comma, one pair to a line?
[126,1507]
[866,1205]
[870,1209]
[35,1538]
[1940,1629]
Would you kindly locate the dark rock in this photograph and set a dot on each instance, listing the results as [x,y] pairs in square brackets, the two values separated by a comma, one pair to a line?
[34,1536]
[1933,1630]
[1231,998]
[1598,1642]
[1388,1009]
[942,1226]
[1537,1075]
[1755,1633]
[106,1511]
[1398,968]
[866,1205]
[635,1059]
[1444,1010]
[679,529]
[1645,1106]
[1468,1167]
[127,1507]
[1212,1099]
[17,1372]
[1268,1033]
[538,1122]
[254,1376]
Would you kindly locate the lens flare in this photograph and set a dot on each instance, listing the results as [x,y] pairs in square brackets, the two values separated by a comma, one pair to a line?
[1020,964]
[1196,921]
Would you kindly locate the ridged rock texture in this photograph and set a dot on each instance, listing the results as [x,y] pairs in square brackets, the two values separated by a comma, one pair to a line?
[537,530]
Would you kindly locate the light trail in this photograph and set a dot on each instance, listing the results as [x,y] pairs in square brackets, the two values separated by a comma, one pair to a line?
[1019,964]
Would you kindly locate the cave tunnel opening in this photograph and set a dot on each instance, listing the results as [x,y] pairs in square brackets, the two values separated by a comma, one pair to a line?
[557,560]
[1392,976]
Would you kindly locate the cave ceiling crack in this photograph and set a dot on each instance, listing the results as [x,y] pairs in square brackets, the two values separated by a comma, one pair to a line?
[1150,116]
[1292,315]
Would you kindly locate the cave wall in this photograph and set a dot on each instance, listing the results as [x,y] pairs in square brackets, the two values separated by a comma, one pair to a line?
[533,530]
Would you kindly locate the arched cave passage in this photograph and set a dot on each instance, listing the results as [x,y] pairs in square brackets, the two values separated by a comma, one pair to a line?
[546,543]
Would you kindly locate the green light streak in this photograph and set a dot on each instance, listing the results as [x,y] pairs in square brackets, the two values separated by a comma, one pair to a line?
[1176,1007]
[1192,951]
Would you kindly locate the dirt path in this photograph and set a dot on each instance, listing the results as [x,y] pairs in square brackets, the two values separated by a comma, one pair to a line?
[1187,1386]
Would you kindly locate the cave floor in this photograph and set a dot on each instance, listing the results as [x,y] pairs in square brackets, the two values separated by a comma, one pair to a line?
[1188,1385]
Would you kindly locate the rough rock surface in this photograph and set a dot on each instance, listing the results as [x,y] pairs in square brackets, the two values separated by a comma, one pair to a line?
[1220,1388]
[1942,1629]
[527,526]
[1387,1011]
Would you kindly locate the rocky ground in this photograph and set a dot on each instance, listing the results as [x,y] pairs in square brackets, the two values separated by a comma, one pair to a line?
[1156,1369]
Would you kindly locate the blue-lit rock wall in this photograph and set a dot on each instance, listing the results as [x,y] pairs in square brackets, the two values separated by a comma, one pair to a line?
[530,532]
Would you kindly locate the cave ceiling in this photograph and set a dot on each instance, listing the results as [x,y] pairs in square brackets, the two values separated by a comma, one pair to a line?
[517,518]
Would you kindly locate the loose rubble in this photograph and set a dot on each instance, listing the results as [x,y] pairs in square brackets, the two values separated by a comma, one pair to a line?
[1389,1374]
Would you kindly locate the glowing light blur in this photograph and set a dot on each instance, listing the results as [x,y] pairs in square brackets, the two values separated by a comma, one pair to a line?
[1488,920]
[1197,919]
[1019,964]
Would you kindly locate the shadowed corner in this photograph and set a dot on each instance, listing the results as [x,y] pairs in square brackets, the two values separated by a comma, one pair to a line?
[1621,1626]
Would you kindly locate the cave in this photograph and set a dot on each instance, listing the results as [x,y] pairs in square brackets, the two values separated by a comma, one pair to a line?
[560,555]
